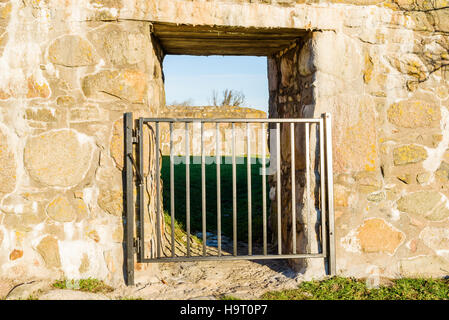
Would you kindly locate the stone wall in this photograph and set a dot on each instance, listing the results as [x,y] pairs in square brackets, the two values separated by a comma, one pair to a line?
[384,82]
[291,85]
[225,131]
[66,82]
[70,69]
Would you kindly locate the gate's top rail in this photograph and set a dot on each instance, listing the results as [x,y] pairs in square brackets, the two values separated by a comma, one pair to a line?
[235,120]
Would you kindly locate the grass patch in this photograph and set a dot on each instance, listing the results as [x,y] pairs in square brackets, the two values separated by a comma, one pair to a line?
[35,295]
[87,285]
[131,298]
[211,195]
[339,288]
[180,233]
[229,297]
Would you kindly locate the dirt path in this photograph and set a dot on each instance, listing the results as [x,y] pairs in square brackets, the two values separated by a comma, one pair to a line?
[213,279]
[242,279]
[183,281]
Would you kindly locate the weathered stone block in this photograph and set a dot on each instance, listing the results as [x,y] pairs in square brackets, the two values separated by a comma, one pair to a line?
[375,235]
[124,47]
[441,19]
[49,250]
[41,114]
[376,196]
[58,157]
[15,254]
[7,166]
[424,266]
[129,85]
[117,235]
[443,172]
[369,179]
[336,62]
[409,154]
[305,60]
[435,238]
[414,114]
[85,113]
[111,201]
[428,204]
[423,178]
[61,210]
[81,209]
[116,145]
[341,196]
[72,51]
[65,101]
[84,266]
[419,202]
[357,142]
[37,89]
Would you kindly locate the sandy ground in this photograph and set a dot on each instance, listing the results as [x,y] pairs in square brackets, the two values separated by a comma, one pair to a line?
[183,280]
[244,279]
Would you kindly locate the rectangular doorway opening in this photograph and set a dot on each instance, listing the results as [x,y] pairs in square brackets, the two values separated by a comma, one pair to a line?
[211,87]
[228,177]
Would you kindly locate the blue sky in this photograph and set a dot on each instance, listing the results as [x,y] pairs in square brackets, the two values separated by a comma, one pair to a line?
[195,77]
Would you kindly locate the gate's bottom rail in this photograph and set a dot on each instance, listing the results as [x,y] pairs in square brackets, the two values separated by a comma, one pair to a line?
[325,218]
[231,257]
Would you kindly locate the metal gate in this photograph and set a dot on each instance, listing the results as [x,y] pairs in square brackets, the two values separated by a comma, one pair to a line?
[134,180]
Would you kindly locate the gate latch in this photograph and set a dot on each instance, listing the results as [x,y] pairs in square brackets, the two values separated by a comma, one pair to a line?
[135,137]
[137,245]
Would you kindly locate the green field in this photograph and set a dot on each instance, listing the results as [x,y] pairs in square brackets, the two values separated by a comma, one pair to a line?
[211,196]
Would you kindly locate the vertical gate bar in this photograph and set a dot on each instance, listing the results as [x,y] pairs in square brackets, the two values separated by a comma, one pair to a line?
[278,183]
[264,189]
[172,192]
[293,165]
[234,194]
[203,189]
[187,187]
[330,195]
[218,160]
[158,200]
[248,169]
[307,138]
[129,199]
[141,191]
[323,190]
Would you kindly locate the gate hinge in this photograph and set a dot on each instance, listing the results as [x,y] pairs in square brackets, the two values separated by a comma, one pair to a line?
[137,245]
[135,137]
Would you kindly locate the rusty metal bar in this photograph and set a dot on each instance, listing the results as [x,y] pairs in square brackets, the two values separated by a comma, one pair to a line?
[129,198]
[172,192]
[264,189]
[307,138]
[248,174]
[203,190]
[293,171]
[187,186]
[234,194]
[158,198]
[278,186]
[322,189]
[218,161]
[331,256]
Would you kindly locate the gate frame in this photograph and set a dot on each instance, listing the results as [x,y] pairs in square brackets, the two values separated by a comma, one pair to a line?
[132,245]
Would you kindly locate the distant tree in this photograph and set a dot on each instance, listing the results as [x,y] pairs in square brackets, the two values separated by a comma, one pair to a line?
[185,103]
[229,98]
